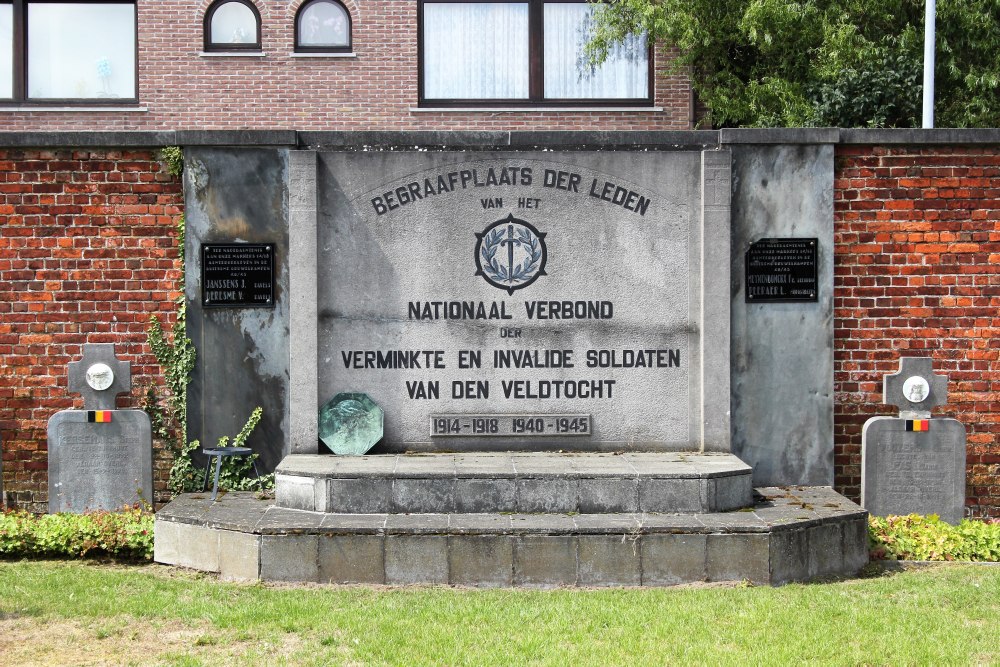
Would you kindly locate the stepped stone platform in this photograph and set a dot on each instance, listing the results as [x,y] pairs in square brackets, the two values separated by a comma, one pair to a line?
[524,482]
[788,534]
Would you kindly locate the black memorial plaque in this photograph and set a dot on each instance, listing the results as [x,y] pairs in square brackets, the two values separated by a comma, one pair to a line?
[781,270]
[237,275]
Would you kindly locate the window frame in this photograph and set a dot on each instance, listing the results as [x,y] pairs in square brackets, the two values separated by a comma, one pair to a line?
[221,47]
[298,48]
[19,89]
[536,68]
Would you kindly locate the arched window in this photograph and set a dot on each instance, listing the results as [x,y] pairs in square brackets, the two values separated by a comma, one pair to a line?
[232,25]
[323,26]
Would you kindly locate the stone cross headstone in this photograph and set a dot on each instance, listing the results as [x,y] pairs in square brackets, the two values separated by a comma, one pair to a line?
[100,376]
[914,464]
[100,458]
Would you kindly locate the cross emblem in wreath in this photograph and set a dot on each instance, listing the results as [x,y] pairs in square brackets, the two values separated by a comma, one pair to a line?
[510,254]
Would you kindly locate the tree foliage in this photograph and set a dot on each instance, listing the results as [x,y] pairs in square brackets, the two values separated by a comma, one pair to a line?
[844,63]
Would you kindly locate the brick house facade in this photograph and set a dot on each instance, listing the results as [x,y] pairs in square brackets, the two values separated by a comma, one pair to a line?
[182,86]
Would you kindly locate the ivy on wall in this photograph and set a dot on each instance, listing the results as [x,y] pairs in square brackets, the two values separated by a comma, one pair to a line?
[176,355]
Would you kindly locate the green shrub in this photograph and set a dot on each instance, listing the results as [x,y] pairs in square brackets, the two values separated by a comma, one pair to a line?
[126,534]
[916,537]
[173,156]
[168,414]
[234,474]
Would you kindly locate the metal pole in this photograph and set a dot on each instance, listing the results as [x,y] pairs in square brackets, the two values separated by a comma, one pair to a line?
[931,11]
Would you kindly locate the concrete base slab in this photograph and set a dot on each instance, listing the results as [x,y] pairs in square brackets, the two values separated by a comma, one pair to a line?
[789,534]
[514,482]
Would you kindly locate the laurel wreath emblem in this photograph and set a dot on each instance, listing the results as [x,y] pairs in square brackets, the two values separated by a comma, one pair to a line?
[510,254]
[496,271]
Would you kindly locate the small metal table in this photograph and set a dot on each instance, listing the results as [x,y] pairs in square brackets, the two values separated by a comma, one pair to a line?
[218,453]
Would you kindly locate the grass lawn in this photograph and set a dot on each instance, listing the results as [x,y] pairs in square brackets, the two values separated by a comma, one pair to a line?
[81,613]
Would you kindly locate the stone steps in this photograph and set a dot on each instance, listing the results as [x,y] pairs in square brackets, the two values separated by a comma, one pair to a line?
[788,535]
[517,519]
[587,483]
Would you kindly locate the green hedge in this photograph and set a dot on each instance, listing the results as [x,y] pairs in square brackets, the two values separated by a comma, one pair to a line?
[126,534]
[916,537]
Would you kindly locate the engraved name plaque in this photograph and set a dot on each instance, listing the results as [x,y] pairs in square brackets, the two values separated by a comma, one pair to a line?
[237,275]
[782,270]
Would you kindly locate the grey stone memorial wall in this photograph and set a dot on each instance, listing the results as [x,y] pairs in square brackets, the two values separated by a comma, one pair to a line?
[489,288]
[660,234]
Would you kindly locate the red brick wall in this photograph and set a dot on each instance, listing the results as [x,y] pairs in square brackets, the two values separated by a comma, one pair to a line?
[88,251]
[377,90]
[917,273]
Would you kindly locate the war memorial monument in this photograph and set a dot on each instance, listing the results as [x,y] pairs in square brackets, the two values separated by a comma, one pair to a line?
[582,365]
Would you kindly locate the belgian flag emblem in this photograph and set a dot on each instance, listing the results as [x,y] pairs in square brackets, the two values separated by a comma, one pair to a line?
[99,416]
[918,424]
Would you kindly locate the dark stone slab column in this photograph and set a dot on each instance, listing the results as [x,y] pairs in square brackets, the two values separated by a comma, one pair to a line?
[782,353]
[238,195]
